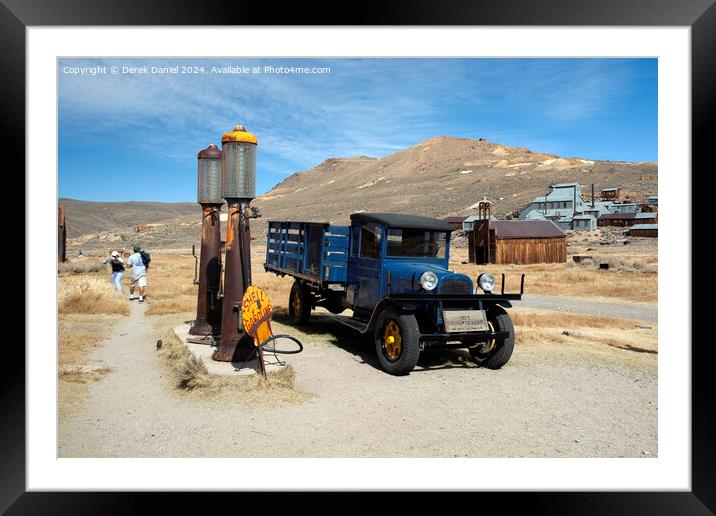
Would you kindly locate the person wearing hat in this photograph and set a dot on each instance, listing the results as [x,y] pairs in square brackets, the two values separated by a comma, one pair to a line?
[117,269]
[139,273]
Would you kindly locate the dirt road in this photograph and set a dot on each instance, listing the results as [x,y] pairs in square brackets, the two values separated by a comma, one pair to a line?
[544,403]
[623,309]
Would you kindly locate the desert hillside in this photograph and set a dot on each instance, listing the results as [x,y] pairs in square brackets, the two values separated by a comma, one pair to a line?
[438,177]
[85,217]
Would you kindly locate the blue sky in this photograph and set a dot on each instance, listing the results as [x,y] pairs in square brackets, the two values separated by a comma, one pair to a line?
[135,136]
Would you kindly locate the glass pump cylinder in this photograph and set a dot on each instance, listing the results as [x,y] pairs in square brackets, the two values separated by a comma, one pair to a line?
[209,176]
[238,165]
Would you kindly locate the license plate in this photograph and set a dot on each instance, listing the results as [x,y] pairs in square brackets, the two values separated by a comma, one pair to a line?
[465,320]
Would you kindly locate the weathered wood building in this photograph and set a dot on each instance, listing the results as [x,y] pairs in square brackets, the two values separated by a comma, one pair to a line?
[517,241]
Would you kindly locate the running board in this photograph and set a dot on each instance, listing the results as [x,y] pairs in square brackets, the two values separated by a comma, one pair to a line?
[352,322]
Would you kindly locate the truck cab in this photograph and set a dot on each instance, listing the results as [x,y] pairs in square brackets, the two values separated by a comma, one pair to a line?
[389,254]
[392,271]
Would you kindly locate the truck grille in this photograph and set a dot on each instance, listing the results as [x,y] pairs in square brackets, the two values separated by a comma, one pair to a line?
[454,286]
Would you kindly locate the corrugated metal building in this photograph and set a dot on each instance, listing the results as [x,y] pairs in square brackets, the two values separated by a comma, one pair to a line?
[644,230]
[517,241]
[584,222]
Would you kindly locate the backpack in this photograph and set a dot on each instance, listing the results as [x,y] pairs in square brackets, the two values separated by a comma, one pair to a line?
[145,258]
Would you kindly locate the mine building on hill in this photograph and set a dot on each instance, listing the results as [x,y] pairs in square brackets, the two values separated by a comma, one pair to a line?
[563,204]
[516,241]
[558,205]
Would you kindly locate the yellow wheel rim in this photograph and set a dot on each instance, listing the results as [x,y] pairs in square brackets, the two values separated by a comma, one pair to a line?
[392,340]
[296,303]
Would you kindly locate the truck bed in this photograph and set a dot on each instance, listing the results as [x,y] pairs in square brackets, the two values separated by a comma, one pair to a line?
[316,252]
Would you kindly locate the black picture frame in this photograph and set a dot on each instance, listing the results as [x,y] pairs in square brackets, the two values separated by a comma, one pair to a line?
[700,15]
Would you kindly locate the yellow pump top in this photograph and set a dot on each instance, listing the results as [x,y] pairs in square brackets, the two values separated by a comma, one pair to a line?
[239,134]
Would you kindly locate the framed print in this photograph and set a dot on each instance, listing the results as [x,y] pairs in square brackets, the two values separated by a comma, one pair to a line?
[420,252]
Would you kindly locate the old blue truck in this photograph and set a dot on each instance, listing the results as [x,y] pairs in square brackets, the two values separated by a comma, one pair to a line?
[392,271]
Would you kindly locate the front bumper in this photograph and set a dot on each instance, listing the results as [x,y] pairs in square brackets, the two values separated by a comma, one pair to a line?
[459,340]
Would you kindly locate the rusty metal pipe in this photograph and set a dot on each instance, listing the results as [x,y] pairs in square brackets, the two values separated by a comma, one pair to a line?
[208,313]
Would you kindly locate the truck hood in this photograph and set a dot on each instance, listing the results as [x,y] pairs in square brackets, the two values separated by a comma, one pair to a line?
[405,277]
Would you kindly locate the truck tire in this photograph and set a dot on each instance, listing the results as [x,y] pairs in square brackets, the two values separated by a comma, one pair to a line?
[499,352]
[299,304]
[400,355]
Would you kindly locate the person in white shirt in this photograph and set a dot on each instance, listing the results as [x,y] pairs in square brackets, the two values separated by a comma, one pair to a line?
[139,274]
[117,269]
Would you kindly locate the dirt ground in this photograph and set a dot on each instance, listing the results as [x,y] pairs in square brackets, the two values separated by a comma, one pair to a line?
[548,401]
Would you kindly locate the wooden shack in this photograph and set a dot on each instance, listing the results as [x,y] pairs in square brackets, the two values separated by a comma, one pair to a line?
[517,241]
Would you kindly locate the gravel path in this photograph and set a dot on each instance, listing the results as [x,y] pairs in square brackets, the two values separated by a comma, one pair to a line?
[623,309]
[544,403]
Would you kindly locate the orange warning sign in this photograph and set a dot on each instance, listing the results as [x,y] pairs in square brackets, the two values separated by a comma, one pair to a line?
[256,314]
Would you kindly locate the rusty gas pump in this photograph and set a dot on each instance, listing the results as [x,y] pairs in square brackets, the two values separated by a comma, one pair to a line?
[238,165]
[209,196]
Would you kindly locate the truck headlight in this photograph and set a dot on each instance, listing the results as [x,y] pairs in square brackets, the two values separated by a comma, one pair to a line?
[428,280]
[486,281]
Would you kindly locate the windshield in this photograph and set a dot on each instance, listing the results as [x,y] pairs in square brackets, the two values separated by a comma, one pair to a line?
[416,242]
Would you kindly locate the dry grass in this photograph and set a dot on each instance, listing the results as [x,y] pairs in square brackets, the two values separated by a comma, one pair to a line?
[79,334]
[80,265]
[623,281]
[191,376]
[608,339]
[541,319]
[170,287]
[89,294]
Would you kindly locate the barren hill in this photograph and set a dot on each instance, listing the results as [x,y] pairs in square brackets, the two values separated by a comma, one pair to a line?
[85,217]
[438,177]
[443,176]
